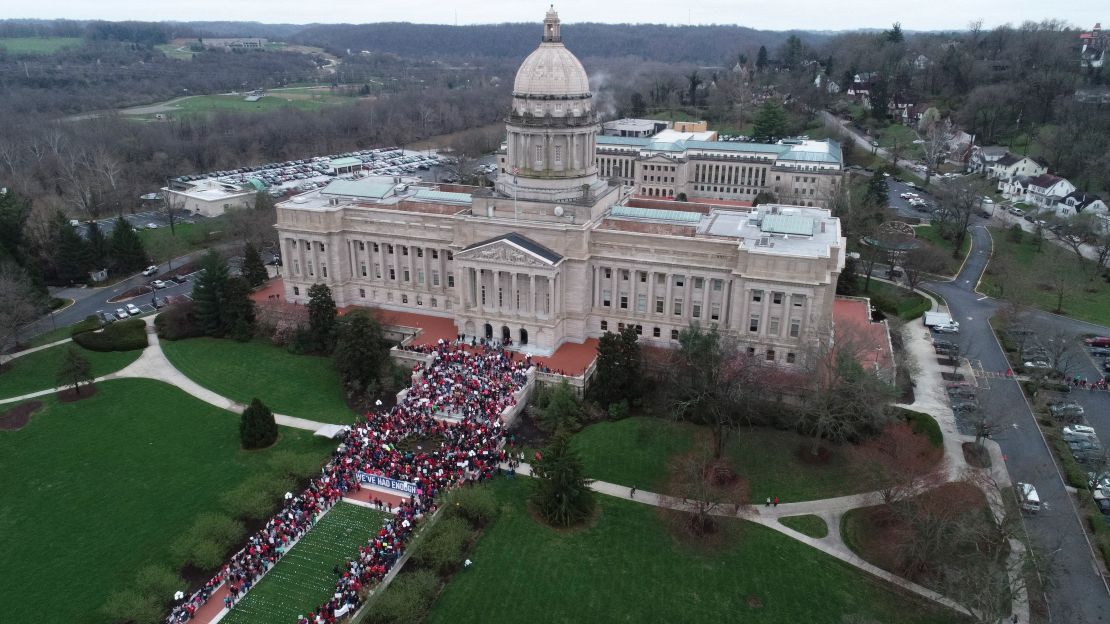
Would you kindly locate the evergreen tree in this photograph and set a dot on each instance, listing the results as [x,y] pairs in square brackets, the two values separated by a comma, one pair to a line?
[792,52]
[98,246]
[764,197]
[877,193]
[879,97]
[639,107]
[72,255]
[237,310]
[562,494]
[253,269]
[619,367]
[894,35]
[562,411]
[321,317]
[75,370]
[257,428]
[770,123]
[14,212]
[761,59]
[127,248]
[208,292]
[360,351]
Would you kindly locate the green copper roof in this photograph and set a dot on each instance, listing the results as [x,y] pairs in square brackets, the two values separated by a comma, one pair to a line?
[345,162]
[366,188]
[659,215]
[443,196]
[787,224]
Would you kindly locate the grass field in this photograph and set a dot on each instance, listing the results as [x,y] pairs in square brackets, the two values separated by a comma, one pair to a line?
[38,45]
[162,245]
[304,99]
[95,489]
[627,567]
[296,385]
[1019,272]
[808,524]
[902,135]
[932,235]
[176,51]
[303,579]
[635,451]
[36,371]
[895,300]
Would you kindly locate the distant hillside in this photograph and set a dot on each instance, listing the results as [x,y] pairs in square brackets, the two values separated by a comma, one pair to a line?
[706,45]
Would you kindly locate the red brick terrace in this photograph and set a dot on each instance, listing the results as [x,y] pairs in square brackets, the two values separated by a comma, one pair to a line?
[570,359]
[852,321]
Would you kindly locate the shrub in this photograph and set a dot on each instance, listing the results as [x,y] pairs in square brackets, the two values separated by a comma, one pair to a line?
[296,465]
[208,541]
[158,581]
[619,410]
[443,546]
[127,335]
[177,322]
[407,599]
[90,323]
[257,428]
[925,424]
[257,496]
[129,605]
[476,505]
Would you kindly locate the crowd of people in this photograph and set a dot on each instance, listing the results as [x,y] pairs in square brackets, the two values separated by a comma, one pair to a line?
[475,385]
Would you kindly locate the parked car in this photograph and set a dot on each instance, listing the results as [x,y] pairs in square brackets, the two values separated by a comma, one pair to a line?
[150,270]
[1065,408]
[1038,364]
[1100,351]
[961,392]
[1078,432]
[105,317]
[158,284]
[152,226]
[121,313]
[133,310]
[964,406]
[1098,341]
[947,328]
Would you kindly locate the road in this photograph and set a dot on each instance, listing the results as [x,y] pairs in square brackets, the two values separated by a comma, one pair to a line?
[1078,593]
[864,143]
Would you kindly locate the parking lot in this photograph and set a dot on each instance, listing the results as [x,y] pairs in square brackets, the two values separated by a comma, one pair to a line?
[144,220]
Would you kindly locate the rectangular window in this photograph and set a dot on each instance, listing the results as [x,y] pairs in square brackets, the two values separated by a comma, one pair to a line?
[406,274]
[641,303]
[362,269]
[435,302]
[605,326]
[717,285]
[296,291]
[624,275]
[296,267]
[420,276]
[324,270]
[770,355]
[450,255]
[608,273]
[776,298]
[606,297]
[797,300]
[695,310]
[715,311]
[404,298]
[643,276]
[389,249]
[310,271]
[377,270]
[361,246]
[660,279]
[658,305]
[795,328]
[620,327]
[655,332]
[321,245]
[753,323]
[392,273]
[699,283]
[435,254]
[404,250]
[680,281]
[419,252]
[639,330]
[773,326]
[789,358]
[678,307]
[757,296]
[435,278]
[450,280]
[624,302]
[674,334]
[362,292]
[375,247]
[751,351]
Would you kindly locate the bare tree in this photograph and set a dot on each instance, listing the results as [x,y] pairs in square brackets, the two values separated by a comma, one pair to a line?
[899,463]
[958,200]
[706,486]
[20,302]
[938,133]
[920,262]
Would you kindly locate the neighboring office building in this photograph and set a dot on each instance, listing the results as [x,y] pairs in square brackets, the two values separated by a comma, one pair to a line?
[637,128]
[554,254]
[231,43]
[210,197]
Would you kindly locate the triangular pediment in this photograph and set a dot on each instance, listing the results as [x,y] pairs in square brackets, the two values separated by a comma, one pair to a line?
[512,249]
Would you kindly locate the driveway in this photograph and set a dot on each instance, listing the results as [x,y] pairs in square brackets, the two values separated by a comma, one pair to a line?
[1078,592]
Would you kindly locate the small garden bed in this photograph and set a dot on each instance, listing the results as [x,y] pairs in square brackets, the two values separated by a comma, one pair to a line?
[808,524]
[17,417]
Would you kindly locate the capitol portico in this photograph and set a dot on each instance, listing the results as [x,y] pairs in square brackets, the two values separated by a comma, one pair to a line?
[554,253]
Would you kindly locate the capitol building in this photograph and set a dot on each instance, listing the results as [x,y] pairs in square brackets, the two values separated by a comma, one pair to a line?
[580,234]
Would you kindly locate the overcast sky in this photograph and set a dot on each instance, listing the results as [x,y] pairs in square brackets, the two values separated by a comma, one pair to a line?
[782,15]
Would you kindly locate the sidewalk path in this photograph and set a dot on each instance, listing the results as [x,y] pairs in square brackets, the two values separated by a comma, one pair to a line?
[153,364]
[4,359]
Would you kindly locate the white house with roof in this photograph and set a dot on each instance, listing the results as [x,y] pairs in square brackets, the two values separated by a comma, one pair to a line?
[983,157]
[1043,191]
[1080,202]
[1011,165]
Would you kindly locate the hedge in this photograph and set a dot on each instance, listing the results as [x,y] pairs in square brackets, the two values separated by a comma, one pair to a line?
[177,322]
[925,424]
[407,599]
[127,335]
[90,323]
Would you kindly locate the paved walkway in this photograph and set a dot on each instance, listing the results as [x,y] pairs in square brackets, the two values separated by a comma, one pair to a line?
[4,359]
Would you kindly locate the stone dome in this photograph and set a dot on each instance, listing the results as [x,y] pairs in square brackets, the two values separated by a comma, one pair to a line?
[551,70]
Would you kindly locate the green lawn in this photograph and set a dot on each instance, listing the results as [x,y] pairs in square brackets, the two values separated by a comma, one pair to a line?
[303,579]
[808,524]
[896,300]
[903,135]
[627,567]
[38,45]
[172,51]
[635,451]
[296,385]
[36,371]
[1018,271]
[93,490]
[301,99]
[932,235]
[162,244]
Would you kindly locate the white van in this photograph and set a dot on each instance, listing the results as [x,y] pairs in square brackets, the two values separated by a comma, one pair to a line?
[1028,497]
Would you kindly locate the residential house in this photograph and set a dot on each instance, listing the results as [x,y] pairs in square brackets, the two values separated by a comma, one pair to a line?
[1043,191]
[861,87]
[982,157]
[900,108]
[922,62]
[1011,165]
[1093,46]
[829,85]
[1080,202]
[958,146]
[1093,96]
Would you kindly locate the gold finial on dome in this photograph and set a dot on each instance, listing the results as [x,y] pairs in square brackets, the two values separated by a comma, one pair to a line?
[551,27]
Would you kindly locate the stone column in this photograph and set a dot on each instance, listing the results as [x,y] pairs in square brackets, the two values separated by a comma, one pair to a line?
[651,294]
[706,287]
[668,307]
[532,295]
[512,302]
